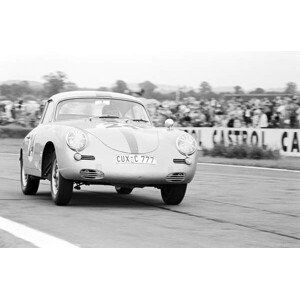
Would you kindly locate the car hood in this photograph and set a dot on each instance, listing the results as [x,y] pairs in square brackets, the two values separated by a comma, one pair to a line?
[123,137]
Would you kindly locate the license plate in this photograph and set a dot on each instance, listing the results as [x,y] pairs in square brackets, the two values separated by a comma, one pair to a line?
[136,159]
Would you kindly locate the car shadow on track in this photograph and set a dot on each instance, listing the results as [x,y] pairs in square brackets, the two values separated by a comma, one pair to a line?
[106,200]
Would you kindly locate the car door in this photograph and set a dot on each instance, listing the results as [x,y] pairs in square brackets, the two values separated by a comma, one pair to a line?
[37,140]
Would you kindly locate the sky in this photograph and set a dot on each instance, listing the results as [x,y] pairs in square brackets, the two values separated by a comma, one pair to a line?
[178,43]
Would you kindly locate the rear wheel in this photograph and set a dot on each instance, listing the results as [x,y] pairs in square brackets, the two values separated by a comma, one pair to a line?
[29,183]
[173,194]
[123,190]
[61,189]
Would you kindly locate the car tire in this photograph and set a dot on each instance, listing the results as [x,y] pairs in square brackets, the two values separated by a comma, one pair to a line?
[29,183]
[61,189]
[173,194]
[123,190]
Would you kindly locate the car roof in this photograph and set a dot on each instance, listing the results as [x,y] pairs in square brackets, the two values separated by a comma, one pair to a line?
[92,94]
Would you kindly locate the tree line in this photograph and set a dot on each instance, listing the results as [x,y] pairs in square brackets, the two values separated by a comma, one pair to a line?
[58,82]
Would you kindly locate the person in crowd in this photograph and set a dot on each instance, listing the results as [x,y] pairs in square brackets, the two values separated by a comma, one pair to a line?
[275,120]
[298,117]
[263,119]
[237,122]
[230,123]
[255,118]
[247,116]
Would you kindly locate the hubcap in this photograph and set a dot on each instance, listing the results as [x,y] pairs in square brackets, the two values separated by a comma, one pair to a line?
[24,176]
[55,178]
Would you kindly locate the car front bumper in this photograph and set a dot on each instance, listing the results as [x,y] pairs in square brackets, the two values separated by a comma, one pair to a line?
[113,173]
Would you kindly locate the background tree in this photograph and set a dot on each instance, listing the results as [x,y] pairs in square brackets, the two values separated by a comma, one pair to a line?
[205,89]
[70,86]
[103,88]
[238,89]
[120,86]
[21,89]
[148,88]
[291,88]
[55,83]
[16,90]
[257,90]
[6,91]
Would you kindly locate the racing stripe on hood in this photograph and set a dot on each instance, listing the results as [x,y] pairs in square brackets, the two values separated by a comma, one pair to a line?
[131,140]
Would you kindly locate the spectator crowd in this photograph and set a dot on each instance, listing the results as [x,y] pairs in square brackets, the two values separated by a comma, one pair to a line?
[21,113]
[226,111]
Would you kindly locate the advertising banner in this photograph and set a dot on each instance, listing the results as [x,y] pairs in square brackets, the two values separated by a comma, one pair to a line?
[284,140]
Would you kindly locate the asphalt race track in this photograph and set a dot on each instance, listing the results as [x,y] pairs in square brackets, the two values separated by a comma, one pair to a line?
[224,207]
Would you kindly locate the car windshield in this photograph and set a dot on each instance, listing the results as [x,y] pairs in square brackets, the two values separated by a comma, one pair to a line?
[101,108]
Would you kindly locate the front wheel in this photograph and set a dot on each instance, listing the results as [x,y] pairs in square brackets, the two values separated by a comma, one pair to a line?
[29,183]
[61,189]
[173,194]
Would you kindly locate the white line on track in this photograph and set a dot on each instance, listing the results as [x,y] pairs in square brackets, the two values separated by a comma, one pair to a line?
[251,167]
[10,154]
[33,236]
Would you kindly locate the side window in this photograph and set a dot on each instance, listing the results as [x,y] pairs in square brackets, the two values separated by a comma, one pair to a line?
[48,113]
[44,112]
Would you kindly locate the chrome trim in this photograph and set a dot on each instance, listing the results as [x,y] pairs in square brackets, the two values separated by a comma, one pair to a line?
[175,177]
[93,174]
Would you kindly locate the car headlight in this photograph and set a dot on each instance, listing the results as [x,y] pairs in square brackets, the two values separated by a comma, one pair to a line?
[186,144]
[76,140]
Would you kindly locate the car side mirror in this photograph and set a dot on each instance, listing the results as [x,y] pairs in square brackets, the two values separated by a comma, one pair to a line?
[169,123]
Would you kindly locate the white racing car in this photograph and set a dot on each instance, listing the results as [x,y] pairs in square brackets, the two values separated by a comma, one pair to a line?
[91,137]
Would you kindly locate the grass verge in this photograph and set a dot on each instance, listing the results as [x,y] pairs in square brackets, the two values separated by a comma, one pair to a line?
[241,151]
[13,131]
[291,163]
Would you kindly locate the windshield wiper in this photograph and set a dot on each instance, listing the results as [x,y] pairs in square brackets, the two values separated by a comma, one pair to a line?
[140,119]
[103,116]
[108,116]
